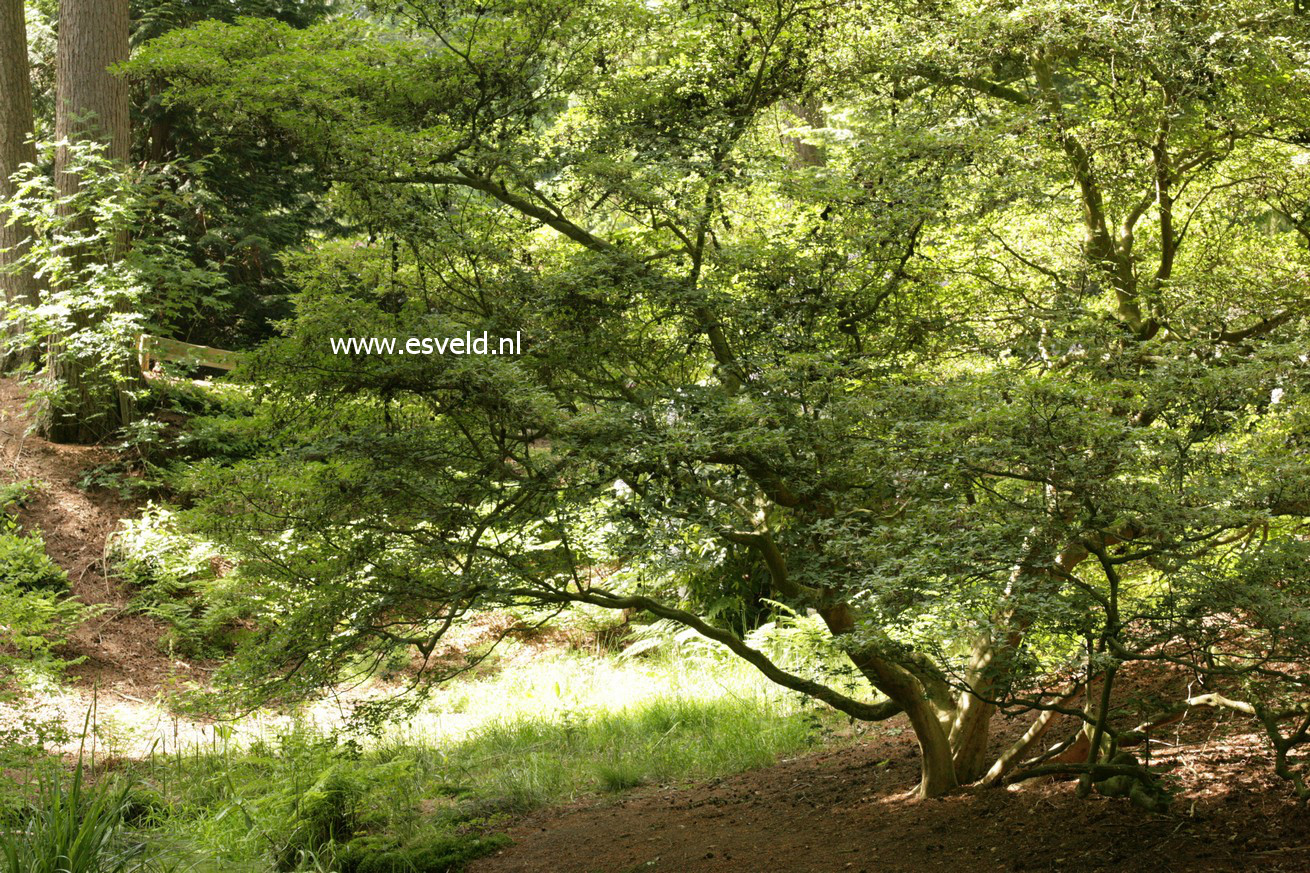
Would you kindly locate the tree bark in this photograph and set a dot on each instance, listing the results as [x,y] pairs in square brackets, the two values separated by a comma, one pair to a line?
[805,154]
[91,105]
[937,764]
[16,148]
[919,699]
[91,102]
[992,649]
[971,729]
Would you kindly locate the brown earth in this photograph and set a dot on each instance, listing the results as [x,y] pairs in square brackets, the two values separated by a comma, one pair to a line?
[121,651]
[846,809]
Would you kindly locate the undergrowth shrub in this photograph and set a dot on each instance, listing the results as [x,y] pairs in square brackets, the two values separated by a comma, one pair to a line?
[304,802]
[323,815]
[36,617]
[36,614]
[179,579]
[25,564]
[15,495]
[35,624]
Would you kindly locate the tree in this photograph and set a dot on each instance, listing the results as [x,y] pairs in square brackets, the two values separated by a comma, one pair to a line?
[987,386]
[16,149]
[256,197]
[1157,135]
[91,105]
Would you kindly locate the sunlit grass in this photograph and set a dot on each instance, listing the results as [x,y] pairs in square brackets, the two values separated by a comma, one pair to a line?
[547,727]
[570,725]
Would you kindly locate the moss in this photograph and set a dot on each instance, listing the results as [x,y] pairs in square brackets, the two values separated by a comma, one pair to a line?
[433,853]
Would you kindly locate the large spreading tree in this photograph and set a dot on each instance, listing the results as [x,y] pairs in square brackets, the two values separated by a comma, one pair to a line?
[976,328]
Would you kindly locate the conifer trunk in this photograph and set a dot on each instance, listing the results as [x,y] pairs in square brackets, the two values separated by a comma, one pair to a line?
[19,287]
[91,104]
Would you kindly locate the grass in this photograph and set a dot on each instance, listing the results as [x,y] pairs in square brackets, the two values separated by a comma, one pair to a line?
[72,826]
[429,794]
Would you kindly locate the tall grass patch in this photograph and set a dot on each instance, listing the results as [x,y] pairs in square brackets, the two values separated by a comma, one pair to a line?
[430,794]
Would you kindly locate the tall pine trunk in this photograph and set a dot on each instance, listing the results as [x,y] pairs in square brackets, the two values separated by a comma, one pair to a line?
[91,104]
[16,148]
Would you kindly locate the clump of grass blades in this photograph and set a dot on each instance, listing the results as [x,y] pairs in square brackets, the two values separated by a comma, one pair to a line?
[72,827]
[518,763]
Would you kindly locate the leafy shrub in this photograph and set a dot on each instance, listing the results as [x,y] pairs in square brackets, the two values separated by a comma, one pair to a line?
[14,495]
[324,814]
[100,297]
[32,624]
[24,564]
[36,616]
[150,552]
[178,580]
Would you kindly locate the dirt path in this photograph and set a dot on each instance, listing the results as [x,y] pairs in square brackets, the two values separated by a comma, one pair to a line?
[126,675]
[125,670]
[121,651]
[845,810]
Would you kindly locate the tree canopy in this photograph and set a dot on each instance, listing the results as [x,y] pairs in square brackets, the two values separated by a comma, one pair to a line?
[975,327]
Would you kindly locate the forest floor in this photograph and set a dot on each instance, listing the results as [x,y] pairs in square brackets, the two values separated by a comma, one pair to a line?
[119,649]
[122,671]
[846,809]
[843,808]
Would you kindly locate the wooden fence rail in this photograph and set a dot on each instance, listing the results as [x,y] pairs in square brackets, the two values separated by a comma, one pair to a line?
[157,348]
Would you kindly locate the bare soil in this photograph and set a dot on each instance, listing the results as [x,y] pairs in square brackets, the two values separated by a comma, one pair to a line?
[121,650]
[846,809]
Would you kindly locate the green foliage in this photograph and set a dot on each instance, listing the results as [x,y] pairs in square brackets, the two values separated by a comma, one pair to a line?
[148,551]
[102,293]
[25,566]
[254,201]
[436,853]
[36,614]
[133,469]
[323,814]
[994,359]
[176,577]
[432,791]
[15,495]
[36,618]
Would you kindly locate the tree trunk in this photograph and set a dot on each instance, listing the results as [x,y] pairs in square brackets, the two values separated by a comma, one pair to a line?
[806,154]
[916,696]
[936,762]
[971,729]
[91,104]
[990,657]
[16,148]
[937,765]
